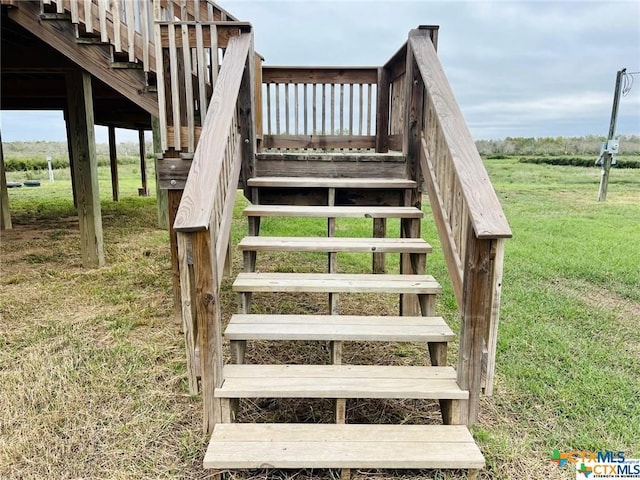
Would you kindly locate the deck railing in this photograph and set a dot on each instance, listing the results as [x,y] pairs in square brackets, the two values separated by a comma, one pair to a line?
[319,107]
[203,221]
[468,215]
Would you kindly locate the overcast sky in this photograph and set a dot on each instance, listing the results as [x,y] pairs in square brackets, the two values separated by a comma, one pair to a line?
[528,68]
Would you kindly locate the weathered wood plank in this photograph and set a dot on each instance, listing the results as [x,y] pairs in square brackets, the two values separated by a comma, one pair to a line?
[477,297]
[342,446]
[225,31]
[382,111]
[325,211]
[336,283]
[338,327]
[319,75]
[311,182]
[85,164]
[491,334]
[188,309]
[319,141]
[5,211]
[339,381]
[334,244]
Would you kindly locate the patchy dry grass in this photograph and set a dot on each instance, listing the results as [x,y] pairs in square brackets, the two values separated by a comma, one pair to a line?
[92,374]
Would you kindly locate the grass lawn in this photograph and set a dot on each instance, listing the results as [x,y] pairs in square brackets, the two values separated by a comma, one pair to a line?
[92,374]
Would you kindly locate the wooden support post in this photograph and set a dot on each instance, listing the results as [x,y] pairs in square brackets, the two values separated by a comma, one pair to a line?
[413,123]
[144,191]
[476,301]
[174,197]
[379,231]
[209,326]
[247,121]
[80,127]
[162,198]
[382,112]
[258,98]
[189,313]
[5,212]
[72,172]
[608,156]
[113,162]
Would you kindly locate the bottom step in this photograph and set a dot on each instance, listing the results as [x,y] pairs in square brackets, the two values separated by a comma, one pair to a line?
[250,446]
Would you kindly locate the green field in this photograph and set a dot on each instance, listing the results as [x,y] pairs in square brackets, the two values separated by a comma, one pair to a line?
[92,366]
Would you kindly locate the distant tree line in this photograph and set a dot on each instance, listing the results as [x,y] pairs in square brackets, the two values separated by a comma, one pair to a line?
[588,145]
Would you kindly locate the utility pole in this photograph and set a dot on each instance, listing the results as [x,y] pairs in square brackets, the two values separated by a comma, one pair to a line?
[611,147]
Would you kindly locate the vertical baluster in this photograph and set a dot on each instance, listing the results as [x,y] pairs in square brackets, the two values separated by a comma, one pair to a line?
[324,108]
[269,131]
[360,109]
[75,14]
[144,27]
[277,86]
[286,109]
[333,108]
[306,115]
[188,86]
[116,14]
[201,64]
[131,33]
[341,109]
[369,108]
[103,6]
[162,113]
[175,93]
[88,18]
[314,110]
[351,109]
[295,99]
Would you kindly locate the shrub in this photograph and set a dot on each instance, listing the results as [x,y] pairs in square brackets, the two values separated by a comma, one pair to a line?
[578,161]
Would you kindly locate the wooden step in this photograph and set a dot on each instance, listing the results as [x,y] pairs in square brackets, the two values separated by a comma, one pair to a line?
[338,327]
[335,283]
[250,446]
[331,212]
[339,381]
[325,182]
[334,244]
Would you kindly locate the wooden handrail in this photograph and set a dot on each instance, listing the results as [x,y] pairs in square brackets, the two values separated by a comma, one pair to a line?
[485,212]
[197,205]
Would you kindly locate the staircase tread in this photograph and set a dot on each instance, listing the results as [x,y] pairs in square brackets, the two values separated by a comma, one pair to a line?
[238,445]
[338,327]
[326,211]
[328,182]
[335,244]
[339,381]
[335,282]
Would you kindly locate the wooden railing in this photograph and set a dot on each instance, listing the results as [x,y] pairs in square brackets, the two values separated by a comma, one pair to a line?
[469,218]
[187,57]
[203,221]
[319,107]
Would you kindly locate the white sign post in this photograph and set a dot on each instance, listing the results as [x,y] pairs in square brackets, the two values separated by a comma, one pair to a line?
[50,169]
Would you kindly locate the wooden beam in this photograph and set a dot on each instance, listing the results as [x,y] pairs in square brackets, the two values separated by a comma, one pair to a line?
[209,326]
[174,198]
[162,199]
[5,214]
[83,150]
[319,75]
[144,191]
[382,111]
[476,302]
[113,162]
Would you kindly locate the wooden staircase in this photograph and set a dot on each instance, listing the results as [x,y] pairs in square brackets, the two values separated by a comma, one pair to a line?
[342,445]
[340,143]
